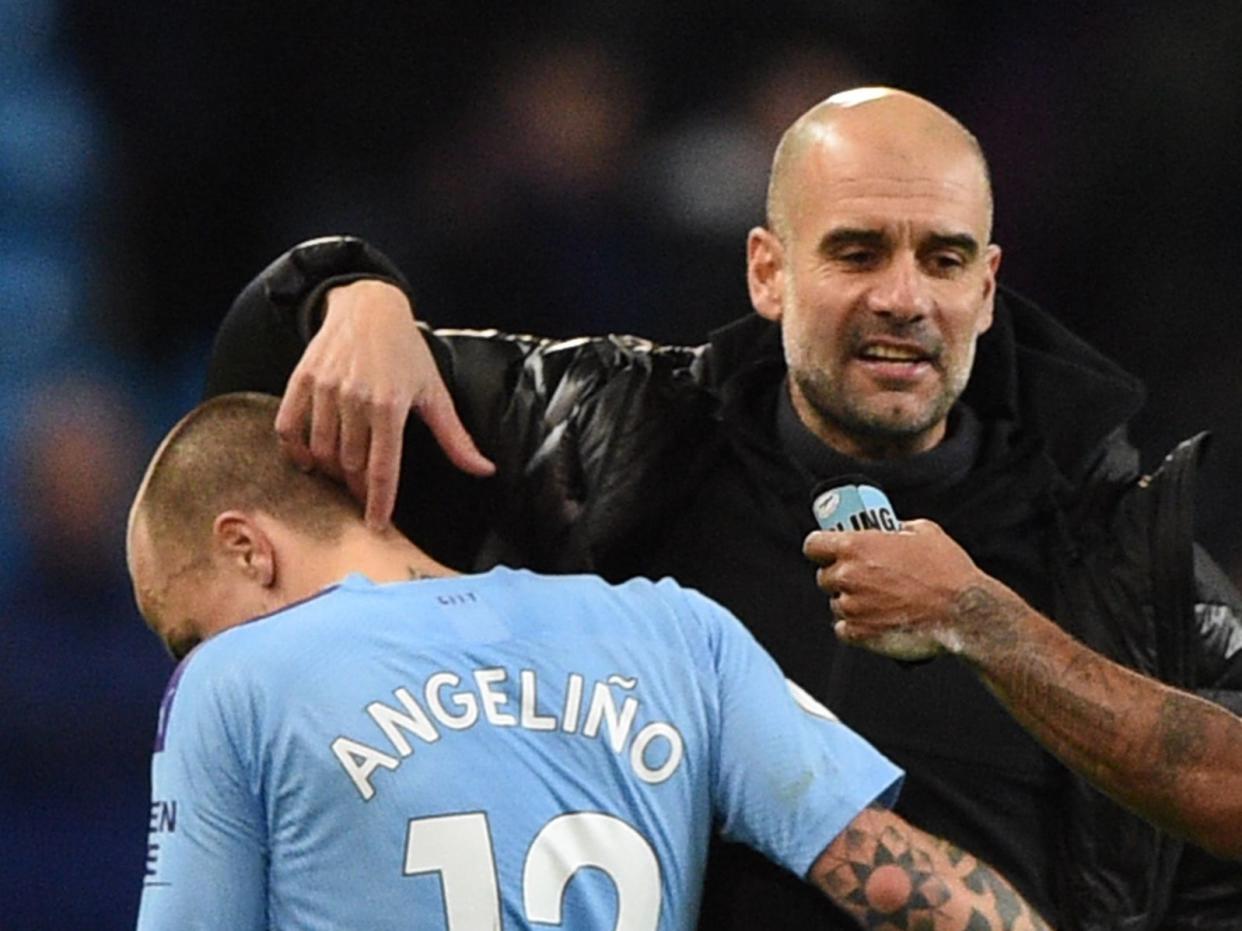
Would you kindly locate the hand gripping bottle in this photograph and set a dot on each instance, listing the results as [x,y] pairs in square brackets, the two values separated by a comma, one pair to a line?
[853,502]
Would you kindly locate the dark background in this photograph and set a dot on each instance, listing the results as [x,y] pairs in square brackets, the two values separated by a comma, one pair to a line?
[559,168]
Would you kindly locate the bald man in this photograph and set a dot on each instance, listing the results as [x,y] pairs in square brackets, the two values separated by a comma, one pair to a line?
[380,742]
[881,344]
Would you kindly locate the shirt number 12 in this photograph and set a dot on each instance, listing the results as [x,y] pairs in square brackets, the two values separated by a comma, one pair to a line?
[459,848]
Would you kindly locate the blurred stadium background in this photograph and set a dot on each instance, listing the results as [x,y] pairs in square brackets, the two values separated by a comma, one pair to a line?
[555,167]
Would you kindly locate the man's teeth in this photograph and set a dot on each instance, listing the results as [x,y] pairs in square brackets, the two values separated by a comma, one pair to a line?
[892,353]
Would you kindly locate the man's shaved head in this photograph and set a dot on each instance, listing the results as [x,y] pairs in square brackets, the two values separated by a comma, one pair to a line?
[224,455]
[885,122]
[225,528]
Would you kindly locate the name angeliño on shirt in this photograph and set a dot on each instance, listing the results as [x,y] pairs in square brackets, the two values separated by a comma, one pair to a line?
[448,704]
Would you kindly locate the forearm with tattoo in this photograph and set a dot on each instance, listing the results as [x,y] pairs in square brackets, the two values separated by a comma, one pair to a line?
[889,875]
[1172,756]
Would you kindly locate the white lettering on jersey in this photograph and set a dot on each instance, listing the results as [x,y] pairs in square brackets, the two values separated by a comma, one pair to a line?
[491,699]
[463,700]
[414,720]
[654,753]
[573,703]
[638,752]
[531,719]
[603,706]
[360,761]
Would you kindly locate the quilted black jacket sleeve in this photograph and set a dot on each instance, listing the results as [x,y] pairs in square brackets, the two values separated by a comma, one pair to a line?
[553,415]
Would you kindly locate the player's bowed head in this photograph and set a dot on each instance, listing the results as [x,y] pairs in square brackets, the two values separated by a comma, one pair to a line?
[224,527]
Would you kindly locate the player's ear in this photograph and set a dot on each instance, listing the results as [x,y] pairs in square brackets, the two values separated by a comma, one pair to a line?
[765,272]
[244,547]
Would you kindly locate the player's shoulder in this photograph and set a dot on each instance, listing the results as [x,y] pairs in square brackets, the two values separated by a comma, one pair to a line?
[637,589]
[286,622]
[256,649]
[657,602]
[210,685]
[237,669]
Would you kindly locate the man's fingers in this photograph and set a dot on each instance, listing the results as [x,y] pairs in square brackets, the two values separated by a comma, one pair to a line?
[383,466]
[354,448]
[919,526]
[355,439]
[325,432]
[440,416]
[824,546]
[851,632]
[291,422]
[859,632]
[356,482]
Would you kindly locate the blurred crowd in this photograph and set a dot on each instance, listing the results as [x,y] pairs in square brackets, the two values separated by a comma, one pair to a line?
[553,168]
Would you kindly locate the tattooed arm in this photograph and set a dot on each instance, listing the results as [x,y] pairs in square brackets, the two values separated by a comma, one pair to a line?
[1170,755]
[887,874]
[1174,758]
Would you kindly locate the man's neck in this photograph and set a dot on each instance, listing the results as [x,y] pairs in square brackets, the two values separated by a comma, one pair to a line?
[382,556]
[942,466]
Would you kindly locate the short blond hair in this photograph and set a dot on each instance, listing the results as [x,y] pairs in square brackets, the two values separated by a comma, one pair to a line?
[225,455]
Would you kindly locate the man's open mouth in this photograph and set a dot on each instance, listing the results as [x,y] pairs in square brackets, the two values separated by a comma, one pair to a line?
[895,352]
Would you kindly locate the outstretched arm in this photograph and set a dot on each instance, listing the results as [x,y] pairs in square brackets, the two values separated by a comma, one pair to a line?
[886,873]
[1173,757]
[329,325]
[347,401]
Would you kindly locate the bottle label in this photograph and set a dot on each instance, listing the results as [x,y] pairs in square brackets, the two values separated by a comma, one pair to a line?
[855,507]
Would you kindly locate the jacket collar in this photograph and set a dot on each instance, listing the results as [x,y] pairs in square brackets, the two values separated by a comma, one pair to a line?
[1030,373]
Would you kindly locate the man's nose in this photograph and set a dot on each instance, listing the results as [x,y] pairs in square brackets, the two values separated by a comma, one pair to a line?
[900,290]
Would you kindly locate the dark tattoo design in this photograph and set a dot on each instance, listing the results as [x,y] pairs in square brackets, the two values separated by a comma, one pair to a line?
[984,880]
[978,613]
[896,877]
[1007,909]
[1070,697]
[1182,732]
[1178,743]
[888,858]
[1059,699]
[926,889]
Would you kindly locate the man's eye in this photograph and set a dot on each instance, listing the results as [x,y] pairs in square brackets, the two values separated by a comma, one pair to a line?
[857,257]
[947,262]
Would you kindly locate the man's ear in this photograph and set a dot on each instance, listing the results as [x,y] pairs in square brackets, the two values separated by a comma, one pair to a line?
[765,272]
[991,260]
[244,547]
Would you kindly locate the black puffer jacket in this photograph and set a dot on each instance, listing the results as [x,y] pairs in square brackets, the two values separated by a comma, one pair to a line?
[608,448]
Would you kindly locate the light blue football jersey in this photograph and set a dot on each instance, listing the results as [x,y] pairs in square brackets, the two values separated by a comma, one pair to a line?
[483,752]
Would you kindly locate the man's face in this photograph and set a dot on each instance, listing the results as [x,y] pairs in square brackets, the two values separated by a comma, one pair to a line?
[887,280]
[185,599]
